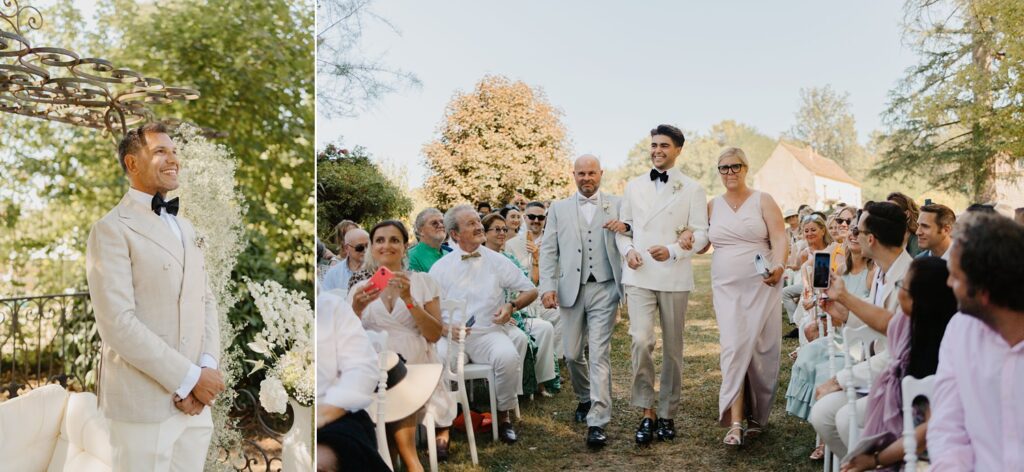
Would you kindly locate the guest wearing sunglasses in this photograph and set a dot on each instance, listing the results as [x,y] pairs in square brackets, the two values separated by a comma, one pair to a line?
[526,248]
[356,242]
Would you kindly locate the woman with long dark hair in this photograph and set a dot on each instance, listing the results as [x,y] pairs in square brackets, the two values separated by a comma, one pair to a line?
[914,334]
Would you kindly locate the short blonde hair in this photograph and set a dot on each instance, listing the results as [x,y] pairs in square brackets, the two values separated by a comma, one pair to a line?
[734,152]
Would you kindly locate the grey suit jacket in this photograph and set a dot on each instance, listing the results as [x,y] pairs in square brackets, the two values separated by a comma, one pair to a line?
[154,310]
[561,251]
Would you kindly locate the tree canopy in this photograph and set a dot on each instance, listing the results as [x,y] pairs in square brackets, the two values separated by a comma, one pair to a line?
[499,139]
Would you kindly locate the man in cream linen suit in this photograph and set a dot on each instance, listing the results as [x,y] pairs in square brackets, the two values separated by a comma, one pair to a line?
[666,212]
[156,317]
[580,271]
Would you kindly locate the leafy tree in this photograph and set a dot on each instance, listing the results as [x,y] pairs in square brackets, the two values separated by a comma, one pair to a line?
[349,81]
[826,123]
[501,138]
[955,116]
[350,186]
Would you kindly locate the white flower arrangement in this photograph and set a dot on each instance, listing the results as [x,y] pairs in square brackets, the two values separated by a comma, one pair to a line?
[286,343]
[211,201]
[273,396]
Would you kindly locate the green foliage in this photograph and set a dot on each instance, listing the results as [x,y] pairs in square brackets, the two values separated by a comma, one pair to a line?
[955,116]
[350,186]
[825,122]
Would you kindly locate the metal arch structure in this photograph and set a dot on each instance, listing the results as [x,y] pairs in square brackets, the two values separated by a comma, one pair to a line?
[57,84]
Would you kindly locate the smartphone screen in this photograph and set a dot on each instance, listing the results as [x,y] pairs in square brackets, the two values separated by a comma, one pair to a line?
[381,278]
[822,262]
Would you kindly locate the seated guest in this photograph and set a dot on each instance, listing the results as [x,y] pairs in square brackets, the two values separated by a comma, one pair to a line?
[926,306]
[480,276]
[356,242]
[539,365]
[977,421]
[910,208]
[816,238]
[934,230]
[792,227]
[812,363]
[483,208]
[526,249]
[881,230]
[346,377]
[409,310]
[429,229]
[340,230]
[514,220]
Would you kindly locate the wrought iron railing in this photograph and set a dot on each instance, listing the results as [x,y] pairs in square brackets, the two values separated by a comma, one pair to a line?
[53,339]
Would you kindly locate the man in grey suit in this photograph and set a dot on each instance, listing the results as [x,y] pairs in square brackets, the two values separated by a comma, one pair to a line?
[581,272]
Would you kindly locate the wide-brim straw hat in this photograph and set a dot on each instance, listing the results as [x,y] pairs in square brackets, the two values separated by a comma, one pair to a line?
[789,213]
[409,386]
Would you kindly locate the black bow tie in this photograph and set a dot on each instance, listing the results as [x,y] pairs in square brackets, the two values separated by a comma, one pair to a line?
[158,202]
[655,175]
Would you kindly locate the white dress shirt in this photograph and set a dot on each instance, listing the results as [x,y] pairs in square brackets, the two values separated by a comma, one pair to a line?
[480,281]
[206,360]
[588,206]
[346,363]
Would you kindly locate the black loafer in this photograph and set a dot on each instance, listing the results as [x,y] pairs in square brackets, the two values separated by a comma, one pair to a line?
[506,433]
[645,432]
[596,437]
[666,429]
[581,412]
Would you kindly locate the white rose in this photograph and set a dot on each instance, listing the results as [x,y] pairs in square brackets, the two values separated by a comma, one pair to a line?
[273,397]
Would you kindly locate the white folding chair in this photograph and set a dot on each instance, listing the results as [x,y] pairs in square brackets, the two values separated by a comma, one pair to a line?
[456,310]
[830,462]
[865,338]
[913,388]
[379,341]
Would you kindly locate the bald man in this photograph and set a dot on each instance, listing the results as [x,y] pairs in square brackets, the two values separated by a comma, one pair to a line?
[581,274]
[357,244]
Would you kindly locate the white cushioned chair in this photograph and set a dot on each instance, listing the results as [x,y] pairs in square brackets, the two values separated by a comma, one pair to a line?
[51,430]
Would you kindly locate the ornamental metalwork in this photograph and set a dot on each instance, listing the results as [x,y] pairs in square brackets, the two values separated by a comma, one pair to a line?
[57,84]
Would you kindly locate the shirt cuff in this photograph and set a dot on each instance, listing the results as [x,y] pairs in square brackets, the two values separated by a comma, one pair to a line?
[190,381]
[673,251]
[208,361]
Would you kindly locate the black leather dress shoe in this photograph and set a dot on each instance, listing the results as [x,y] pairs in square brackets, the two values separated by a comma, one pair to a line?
[596,437]
[581,412]
[666,429]
[506,433]
[645,432]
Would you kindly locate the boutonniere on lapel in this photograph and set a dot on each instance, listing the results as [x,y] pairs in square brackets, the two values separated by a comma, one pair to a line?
[677,186]
[680,229]
[200,241]
[605,205]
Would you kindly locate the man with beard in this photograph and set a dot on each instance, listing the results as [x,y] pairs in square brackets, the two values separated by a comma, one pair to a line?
[977,420]
[577,246]
[668,215]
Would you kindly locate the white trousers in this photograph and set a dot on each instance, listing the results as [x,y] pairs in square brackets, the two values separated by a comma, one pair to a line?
[178,444]
[830,417]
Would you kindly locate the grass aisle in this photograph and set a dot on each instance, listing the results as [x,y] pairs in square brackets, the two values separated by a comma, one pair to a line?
[550,440]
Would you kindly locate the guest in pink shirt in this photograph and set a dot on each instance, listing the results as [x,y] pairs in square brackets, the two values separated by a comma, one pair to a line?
[977,420]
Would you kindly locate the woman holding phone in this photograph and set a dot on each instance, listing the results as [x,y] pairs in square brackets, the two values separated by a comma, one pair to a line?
[745,223]
[408,308]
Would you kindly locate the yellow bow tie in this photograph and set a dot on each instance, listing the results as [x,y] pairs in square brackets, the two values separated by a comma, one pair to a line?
[470,255]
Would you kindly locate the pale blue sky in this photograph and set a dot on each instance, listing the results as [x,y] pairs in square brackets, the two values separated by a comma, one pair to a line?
[617,68]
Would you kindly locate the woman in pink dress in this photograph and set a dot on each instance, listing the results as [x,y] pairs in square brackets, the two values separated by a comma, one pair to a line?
[746,223]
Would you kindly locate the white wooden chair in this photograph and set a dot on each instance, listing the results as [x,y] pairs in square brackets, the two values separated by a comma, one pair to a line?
[830,462]
[456,310]
[865,338]
[379,340]
[913,388]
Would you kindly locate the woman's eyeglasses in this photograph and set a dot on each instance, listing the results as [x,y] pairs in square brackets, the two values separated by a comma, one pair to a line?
[901,285]
[499,230]
[730,169]
[536,217]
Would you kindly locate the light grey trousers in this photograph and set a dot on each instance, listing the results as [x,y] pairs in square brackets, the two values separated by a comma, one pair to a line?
[589,324]
[670,307]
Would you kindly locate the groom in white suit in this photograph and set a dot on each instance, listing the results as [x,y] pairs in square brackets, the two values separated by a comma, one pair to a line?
[156,317]
[666,213]
[581,271]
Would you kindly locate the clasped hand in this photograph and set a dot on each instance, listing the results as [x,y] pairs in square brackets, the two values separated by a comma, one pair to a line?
[210,384]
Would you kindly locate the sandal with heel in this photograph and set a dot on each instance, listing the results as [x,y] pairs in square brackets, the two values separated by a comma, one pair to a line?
[734,436]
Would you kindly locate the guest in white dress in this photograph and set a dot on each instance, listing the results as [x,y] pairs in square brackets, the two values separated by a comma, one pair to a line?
[409,310]
[745,223]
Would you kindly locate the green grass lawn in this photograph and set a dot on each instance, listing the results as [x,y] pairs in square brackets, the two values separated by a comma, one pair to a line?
[550,440]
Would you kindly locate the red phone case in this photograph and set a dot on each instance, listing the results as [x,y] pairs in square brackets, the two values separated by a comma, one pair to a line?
[381,277]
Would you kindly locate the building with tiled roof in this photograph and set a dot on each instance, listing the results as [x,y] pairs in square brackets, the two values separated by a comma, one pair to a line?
[796,175]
